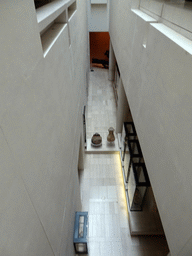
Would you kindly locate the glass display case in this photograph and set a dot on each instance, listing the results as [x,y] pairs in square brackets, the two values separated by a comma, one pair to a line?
[80,233]
[135,156]
[138,182]
[128,132]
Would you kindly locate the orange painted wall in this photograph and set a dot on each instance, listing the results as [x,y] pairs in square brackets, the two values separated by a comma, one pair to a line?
[99,44]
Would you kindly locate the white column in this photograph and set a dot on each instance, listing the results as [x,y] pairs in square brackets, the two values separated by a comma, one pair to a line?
[111,63]
[123,113]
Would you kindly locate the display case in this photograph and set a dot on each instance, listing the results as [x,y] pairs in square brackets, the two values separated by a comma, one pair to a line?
[135,156]
[128,132]
[138,182]
[80,233]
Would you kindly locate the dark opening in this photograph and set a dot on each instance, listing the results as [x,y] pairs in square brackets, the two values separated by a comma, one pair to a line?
[99,49]
[39,3]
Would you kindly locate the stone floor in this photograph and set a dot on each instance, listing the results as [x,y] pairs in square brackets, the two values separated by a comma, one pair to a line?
[102,189]
[101,108]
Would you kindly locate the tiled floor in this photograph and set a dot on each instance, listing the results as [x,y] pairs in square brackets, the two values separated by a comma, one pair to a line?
[101,110]
[102,189]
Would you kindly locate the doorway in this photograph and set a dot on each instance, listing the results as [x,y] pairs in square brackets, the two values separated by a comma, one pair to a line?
[99,49]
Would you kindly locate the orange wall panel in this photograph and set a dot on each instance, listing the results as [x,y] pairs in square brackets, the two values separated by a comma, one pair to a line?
[99,44]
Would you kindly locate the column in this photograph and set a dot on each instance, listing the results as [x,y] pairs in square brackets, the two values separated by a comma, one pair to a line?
[123,113]
[111,63]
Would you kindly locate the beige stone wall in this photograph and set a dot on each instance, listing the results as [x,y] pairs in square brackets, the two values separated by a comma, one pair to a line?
[41,123]
[155,62]
[98,16]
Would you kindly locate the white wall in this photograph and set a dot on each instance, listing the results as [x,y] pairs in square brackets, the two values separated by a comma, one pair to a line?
[98,17]
[123,113]
[41,124]
[174,14]
[157,81]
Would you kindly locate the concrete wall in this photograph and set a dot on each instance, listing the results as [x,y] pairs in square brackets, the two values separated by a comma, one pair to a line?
[98,17]
[174,14]
[155,62]
[123,113]
[41,124]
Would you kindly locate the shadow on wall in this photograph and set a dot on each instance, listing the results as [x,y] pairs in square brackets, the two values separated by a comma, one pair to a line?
[39,3]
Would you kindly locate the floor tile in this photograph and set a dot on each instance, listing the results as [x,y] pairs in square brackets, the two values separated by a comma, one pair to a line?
[101,184]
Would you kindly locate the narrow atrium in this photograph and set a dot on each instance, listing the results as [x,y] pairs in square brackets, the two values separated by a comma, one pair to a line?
[73,68]
[102,185]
